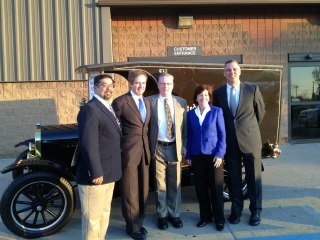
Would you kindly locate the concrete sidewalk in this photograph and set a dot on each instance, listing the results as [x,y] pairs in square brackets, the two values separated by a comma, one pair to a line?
[291,193]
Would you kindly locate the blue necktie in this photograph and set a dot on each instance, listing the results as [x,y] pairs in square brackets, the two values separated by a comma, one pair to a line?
[232,101]
[142,110]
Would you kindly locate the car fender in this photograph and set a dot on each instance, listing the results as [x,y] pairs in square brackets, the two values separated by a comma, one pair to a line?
[36,165]
[25,143]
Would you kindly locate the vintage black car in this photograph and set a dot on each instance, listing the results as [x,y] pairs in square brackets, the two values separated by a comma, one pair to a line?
[41,198]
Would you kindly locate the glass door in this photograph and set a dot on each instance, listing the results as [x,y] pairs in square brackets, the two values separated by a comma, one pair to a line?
[304,100]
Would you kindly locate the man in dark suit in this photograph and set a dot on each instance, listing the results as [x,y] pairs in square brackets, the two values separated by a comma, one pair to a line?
[243,110]
[99,163]
[168,149]
[133,110]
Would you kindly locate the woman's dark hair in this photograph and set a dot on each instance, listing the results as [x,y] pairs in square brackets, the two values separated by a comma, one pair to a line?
[199,90]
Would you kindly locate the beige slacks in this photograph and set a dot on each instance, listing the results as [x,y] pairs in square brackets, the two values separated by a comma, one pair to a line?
[95,206]
[168,182]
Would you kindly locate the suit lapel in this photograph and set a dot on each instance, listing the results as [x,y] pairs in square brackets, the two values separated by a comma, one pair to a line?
[148,110]
[132,104]
[107,112]
[241,97]
[154,106]
[196,118]
[205,120]
[176,111]
[224,102]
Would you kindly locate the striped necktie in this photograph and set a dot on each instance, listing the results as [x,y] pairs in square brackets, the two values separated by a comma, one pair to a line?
[114,114]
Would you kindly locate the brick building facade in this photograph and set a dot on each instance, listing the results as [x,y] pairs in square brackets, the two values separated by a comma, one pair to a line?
[260,34]
[277,33]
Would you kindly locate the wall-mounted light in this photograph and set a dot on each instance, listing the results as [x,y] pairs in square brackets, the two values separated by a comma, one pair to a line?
[185,21]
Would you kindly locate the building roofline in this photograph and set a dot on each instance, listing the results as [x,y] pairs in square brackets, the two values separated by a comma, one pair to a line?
[120,3]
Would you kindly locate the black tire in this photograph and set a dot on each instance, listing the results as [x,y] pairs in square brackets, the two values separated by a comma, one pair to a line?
[226,195]
[37,204]
[19,172]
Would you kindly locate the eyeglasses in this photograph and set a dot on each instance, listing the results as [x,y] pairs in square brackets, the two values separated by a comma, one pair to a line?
[106,85]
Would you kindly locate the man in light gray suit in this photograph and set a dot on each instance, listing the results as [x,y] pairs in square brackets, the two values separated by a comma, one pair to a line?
[243,111]
[168,139]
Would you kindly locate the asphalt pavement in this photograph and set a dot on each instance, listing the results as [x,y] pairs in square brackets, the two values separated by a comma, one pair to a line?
[291,205]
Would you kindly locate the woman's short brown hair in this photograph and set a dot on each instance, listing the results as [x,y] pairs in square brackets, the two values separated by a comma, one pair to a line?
[199,90]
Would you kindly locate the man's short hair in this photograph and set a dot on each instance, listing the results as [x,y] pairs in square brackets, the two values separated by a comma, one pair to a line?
[136,73]
[97,79]
[163,75]
[231,61]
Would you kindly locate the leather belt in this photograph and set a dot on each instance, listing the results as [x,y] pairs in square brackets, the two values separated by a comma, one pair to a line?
[166,143]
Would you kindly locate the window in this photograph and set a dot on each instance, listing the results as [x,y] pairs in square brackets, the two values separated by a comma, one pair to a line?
[304,100]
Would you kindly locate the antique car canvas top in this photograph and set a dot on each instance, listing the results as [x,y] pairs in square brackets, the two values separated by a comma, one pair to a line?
[188,75]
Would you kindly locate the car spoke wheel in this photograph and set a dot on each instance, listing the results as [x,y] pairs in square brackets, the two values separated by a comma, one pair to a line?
[37,204]
[226,184]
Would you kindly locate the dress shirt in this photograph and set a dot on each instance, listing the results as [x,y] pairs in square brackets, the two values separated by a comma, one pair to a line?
[104,102]
[237,93]
[136,100]
[162,121]
[202,117]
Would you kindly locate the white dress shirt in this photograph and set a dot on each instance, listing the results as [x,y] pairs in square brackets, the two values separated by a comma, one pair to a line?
[104,102]
[162,121]
[202,117]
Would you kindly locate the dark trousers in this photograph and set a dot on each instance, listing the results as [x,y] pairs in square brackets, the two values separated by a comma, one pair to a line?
[252,164]
[209,187]
[134,191]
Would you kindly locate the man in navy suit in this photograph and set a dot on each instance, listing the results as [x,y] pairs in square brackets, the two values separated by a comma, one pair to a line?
[243,110]
[99,164]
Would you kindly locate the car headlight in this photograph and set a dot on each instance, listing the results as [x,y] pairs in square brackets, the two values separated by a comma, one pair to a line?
[35,148]
[32,148]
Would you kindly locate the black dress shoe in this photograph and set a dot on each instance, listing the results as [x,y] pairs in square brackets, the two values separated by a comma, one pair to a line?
[255,219]
[201,223]
[234,218]
[176,222]
[144,231]
[219,226]
[162,223]
[137,235]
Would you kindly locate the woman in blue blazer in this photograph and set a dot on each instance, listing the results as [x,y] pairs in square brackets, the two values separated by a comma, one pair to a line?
[205,149]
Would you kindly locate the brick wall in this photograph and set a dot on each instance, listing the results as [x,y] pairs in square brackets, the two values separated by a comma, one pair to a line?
[23,104]
[262,35]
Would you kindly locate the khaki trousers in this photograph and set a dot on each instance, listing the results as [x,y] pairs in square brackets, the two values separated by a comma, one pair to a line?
[168,181]
[95,206]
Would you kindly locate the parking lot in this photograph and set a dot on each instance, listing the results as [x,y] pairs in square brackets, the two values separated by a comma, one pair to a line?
[291,193]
